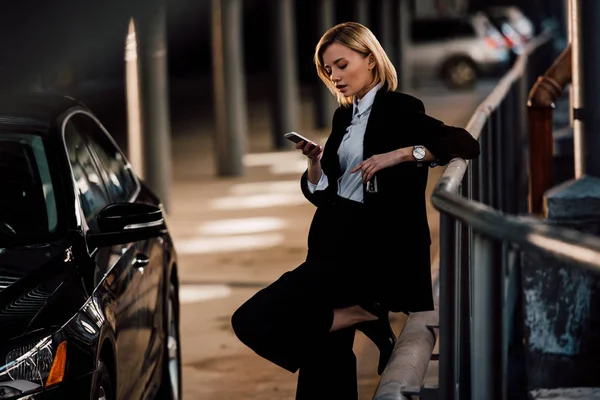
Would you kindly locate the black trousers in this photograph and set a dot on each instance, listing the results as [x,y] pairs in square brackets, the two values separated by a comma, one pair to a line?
[288,322]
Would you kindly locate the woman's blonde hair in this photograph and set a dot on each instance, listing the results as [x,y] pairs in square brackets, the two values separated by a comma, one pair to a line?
[359,38]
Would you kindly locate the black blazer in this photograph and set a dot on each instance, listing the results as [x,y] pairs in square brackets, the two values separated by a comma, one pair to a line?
[397,120]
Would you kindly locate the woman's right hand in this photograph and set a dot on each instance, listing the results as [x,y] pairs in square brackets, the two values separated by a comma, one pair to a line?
[313,153]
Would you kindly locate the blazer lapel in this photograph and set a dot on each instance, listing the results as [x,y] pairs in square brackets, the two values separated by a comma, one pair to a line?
[373,123]
[344,121]
[331,164]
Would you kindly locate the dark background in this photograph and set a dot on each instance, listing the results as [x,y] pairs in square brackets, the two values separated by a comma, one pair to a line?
[38,35]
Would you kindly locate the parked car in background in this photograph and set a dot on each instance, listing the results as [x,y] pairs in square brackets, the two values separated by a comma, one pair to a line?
[515,18]
[459,50]
[88,282]
[514,40]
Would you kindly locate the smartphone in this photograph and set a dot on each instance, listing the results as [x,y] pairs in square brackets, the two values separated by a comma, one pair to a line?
[296,138]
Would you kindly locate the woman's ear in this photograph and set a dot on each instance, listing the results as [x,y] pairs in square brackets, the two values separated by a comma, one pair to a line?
[372,62]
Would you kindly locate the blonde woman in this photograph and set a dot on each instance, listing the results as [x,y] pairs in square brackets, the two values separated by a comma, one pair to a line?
[368,245]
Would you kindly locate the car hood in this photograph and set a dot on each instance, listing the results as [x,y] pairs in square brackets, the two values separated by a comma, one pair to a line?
[32,281]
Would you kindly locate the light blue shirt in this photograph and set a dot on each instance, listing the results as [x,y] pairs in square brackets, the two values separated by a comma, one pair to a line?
[350,152]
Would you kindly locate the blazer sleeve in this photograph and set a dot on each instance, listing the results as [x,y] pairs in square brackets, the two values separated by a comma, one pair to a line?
[443,141]
[319,197]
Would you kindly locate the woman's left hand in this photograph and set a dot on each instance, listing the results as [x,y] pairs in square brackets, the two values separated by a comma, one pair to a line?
[376,163]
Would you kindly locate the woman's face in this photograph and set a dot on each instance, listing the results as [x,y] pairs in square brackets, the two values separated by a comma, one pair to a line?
[351,73]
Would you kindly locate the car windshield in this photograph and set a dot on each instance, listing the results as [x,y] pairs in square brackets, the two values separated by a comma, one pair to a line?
[28,212]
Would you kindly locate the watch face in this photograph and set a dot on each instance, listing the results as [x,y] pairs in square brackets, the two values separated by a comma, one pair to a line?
[419,153]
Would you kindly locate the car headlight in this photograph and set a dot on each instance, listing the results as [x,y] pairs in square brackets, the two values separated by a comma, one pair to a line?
[33,367]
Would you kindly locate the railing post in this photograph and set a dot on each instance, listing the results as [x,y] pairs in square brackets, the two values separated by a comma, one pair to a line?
[508,139]
[473,171]
[486,354]
[466,379]
[447,310]
[500,155]
[464,300]
[522,146]
[504,250]
[482,169]
[490,160]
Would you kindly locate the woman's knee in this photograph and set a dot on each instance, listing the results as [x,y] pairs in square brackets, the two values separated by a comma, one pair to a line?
[253,314]
[265,310]
[242,320]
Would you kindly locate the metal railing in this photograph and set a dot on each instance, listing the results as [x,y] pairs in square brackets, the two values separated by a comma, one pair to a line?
[482,236]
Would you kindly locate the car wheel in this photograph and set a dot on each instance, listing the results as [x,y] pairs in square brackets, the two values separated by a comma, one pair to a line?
[460,73]
[103,386]
[170,388]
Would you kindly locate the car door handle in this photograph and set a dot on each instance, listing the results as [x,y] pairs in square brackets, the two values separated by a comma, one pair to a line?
[140,261]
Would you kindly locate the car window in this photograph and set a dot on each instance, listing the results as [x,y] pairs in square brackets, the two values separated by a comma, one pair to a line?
[28,207]
[119,179]
[92,193]
[432,30]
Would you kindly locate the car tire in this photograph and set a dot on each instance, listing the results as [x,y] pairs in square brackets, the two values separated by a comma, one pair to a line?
[460,74]
[170,388]
[103,388]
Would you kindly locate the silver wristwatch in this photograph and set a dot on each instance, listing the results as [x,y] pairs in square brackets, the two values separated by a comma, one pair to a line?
[418,153]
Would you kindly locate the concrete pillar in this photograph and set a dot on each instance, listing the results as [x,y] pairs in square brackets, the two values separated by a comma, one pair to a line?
[588,67]
[425,8]
[229,87]
[325,101]
[402,61]
[362,12]
[135,143]
[286,105]
[569,24]
[151,31]
[387,24]
[576,88]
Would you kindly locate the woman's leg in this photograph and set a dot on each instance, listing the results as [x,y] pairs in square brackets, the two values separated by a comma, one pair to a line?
[350,316]
[280,321]
[328,370]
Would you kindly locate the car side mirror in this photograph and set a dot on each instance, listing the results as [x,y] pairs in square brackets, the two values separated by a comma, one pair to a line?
[122,223]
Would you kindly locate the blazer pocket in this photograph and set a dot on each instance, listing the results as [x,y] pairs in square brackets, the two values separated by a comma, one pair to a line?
[398,177]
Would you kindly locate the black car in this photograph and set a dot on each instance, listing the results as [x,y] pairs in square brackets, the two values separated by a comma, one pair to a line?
[88,272]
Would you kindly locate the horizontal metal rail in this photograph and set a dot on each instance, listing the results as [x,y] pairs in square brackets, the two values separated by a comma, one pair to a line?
[563,243]
[407,366]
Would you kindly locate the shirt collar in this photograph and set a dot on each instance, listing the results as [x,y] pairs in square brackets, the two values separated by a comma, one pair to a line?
[364,104]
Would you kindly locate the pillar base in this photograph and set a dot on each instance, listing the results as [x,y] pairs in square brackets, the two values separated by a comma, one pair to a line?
[562,301]
[575,203]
